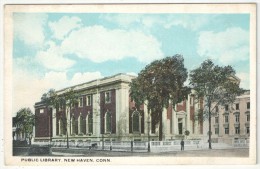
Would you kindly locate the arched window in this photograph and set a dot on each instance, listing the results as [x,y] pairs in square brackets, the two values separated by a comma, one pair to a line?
[81,125]
[73,126]
[108,122]
[136,122]
[89,123]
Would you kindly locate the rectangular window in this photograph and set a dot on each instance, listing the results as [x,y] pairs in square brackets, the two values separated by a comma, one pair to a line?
[192,100]
[108,97]
[227,130]
[108,122]
[90,124]
[237,130]
[80,101]
[247,130]
[88,100]
[237,118]
[248,117]
[226,107]
[226,119]
[216,120]
[216,130]
[237,106]
[216,108]
[248,105]
[136,122]
[59,106]
[41,110]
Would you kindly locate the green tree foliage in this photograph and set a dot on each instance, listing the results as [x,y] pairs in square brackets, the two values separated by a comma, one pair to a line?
[157,84]
[25,120]
[64,100]
[50,98]
[216,85]
[187,132]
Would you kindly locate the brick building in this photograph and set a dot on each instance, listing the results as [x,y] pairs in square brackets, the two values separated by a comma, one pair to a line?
[105,112]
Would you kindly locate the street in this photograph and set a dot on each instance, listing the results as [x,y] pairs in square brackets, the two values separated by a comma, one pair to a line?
[77,152]
[197,153]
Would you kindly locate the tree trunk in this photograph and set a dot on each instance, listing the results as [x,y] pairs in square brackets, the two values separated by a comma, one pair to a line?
[209,127]
[30,140]
[160,128]
[67,134]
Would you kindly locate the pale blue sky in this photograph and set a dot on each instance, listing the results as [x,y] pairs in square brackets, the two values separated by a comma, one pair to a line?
[56,50]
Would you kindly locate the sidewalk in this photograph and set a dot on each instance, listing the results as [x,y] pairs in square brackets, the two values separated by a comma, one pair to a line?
[155,149]
[242,152]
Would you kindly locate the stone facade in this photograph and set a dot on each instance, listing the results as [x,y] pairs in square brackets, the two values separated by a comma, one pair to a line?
[232,121]
[106,112]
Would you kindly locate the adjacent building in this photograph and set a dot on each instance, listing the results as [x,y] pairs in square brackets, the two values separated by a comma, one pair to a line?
[232,121]
[18,134]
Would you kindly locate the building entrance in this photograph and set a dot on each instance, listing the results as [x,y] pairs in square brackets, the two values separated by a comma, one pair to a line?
[180,128]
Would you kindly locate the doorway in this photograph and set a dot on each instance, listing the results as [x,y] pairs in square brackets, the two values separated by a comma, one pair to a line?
[180,128]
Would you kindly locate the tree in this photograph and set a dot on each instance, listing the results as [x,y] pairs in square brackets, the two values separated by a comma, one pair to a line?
[65,101]
[157,84]
[51,100]
[25,120]
[69,98]
[216,85]
[187,133]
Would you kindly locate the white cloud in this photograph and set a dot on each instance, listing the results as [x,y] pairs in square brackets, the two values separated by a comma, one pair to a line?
[132,73]
[245,79]
[30,28]
[53,58]
[28,88]
[228,46]
[23,62]
[100,44]
[62,27]
[79,78]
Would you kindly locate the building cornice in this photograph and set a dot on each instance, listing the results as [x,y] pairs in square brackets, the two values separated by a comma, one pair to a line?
[101,83]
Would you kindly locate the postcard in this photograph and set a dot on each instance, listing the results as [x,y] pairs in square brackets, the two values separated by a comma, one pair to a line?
[102,84]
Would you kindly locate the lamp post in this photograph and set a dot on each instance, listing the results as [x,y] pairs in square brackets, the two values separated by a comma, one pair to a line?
[218,123]
[149,122]
[110,132]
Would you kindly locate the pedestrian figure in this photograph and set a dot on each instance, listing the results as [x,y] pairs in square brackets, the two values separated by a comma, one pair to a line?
[132,146]
[182,145]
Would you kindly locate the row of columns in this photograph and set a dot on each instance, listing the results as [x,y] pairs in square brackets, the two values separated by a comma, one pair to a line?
[122,116]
